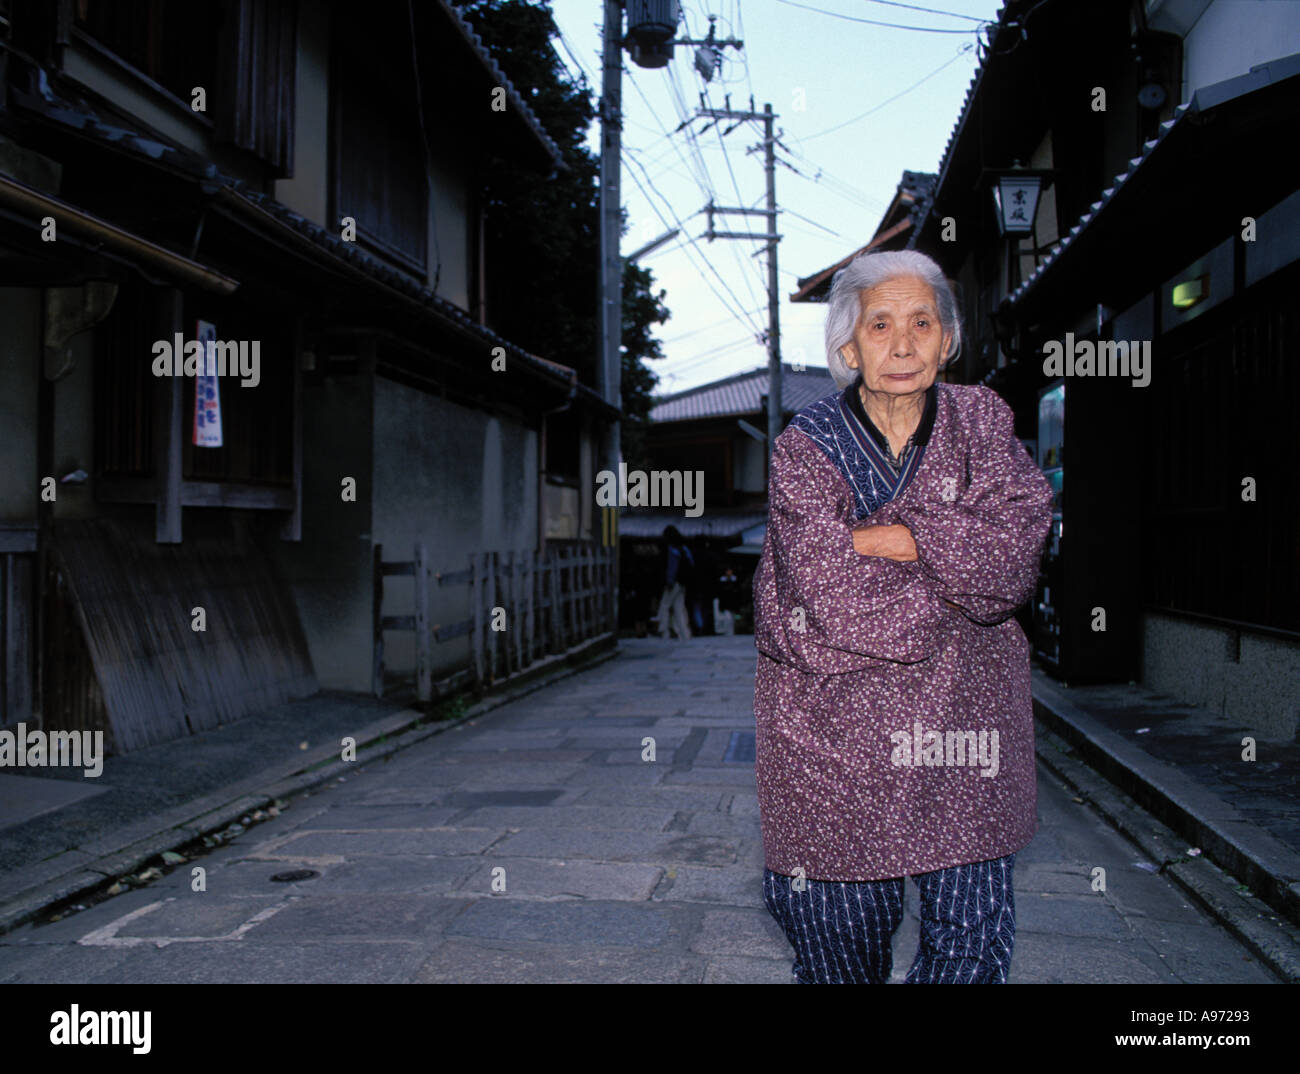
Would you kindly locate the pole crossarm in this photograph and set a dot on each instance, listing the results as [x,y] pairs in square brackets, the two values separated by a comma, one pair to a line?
[711,235]
[770,241]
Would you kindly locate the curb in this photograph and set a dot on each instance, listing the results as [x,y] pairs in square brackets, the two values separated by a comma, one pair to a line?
[1265,864]
[1273,940]
[217,810]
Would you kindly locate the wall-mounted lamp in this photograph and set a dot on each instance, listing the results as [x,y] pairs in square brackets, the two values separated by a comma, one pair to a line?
[1190,292]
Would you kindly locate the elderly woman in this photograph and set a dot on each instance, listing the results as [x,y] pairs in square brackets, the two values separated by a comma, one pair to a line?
[891,696]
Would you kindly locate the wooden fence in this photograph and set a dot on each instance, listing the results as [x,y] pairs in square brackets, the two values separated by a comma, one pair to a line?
[524,606]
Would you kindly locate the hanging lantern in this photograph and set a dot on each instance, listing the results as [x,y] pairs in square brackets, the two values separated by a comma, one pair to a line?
[1015,194]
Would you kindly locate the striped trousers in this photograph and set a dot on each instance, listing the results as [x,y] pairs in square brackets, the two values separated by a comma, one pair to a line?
[842,932]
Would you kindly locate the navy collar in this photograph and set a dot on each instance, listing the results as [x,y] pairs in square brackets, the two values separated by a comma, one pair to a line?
[922,435]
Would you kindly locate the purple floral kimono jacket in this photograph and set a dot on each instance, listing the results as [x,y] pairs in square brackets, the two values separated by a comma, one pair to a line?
[895,731]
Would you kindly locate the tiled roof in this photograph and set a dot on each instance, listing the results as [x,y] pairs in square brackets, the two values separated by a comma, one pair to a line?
[494,69]
[948,150]
[1206,97]
[742,394]
[913,187]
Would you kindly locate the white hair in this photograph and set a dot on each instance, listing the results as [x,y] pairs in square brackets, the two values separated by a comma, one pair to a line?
[867,271]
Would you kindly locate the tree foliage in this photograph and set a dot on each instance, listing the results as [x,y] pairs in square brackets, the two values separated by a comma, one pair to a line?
[543,236]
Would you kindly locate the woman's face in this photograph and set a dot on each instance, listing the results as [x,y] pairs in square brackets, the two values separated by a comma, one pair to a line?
[898,341]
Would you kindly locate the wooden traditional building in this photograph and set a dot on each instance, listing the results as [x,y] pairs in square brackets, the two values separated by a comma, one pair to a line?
[1169,222]
[305,177]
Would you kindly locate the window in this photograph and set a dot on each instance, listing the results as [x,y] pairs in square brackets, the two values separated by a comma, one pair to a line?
[257,422]
[243,53]
[380,171]
[172,44]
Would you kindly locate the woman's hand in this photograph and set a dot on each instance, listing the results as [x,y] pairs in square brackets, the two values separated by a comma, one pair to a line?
[891,542]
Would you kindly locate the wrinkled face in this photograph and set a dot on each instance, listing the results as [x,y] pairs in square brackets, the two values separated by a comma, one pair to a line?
[898,342]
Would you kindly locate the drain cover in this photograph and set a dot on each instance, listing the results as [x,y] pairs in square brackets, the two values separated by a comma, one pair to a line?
[295,874]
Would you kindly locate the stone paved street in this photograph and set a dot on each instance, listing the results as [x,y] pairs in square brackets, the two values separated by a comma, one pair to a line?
[535,844]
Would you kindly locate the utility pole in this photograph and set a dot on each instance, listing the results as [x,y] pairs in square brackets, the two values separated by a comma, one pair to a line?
[610,371]
[773,300]
[611,224]
[651,38]
[770,238]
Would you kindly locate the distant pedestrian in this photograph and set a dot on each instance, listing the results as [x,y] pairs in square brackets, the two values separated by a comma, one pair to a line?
[727,601]
[699,586]
[672,605]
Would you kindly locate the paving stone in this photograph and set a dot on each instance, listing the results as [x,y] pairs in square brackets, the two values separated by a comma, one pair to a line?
[251,962]
[727,777]
[503,756]
[360,916]
[631,738]
[725,825]
[198,914]
[391,874]
[56,963]
[688,798]
[467,962]
[322,843]
[1197,954]
[733,969]
[730,886]
[1070,915]
[573,816]
[642,775]
[598,924]
[651,848]
[379,817]
[752,933]
[532,878]
[1051,958]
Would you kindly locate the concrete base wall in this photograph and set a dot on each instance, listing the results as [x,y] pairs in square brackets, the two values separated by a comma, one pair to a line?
[459,479]
[329,570]
[1196,663]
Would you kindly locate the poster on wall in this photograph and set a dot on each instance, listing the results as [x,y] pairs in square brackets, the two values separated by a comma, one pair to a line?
[207,394]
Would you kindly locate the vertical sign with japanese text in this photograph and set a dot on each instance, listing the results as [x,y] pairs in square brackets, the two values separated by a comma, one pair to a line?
[207,394]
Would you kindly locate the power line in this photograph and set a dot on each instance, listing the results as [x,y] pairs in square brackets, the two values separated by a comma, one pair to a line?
[564,42]
[675,365]
[697,331]
[679,101]
[872,22]
[833,185]
[705,185]
[806,220]
[890,100]
[739,309]
[928,10]
[708,359]
[691,137]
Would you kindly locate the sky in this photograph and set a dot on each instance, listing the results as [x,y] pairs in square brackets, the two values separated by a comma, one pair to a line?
[857,104]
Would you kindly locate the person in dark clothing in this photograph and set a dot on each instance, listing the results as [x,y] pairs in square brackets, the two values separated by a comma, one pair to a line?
[699,588]
[673,602]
